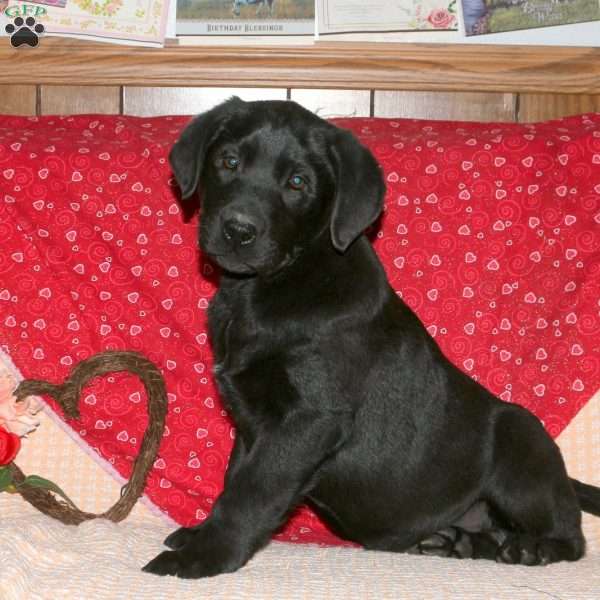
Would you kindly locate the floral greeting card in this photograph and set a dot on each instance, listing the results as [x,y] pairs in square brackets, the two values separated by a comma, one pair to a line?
[338,16]
[133,21]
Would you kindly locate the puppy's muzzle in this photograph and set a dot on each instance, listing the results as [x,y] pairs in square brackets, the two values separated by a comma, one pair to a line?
[239,229]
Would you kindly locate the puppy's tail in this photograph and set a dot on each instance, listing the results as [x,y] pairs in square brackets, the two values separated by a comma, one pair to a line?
[588,496]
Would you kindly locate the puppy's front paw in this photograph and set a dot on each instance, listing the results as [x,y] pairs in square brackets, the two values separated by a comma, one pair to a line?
[198,552]
[185,564]
[180,538]
[166,563]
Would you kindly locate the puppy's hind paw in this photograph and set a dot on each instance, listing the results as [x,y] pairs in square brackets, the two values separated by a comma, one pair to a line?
[522,550]
[451,541]
[440,543]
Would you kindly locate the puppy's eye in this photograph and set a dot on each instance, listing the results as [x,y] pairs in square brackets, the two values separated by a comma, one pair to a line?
[296,182]
[231,163]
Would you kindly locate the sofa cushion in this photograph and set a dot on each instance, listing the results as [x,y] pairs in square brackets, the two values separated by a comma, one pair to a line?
[490,233]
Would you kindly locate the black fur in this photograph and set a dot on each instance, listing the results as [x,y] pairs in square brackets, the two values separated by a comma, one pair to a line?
[339,395]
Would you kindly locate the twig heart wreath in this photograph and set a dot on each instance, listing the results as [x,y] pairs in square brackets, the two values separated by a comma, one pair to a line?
[42,493]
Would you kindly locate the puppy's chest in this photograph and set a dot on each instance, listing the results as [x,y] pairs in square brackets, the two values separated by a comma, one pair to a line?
[249,367]
[237,345]
[241,335]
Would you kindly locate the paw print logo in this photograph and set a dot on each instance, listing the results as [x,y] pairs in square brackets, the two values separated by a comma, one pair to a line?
[24,32]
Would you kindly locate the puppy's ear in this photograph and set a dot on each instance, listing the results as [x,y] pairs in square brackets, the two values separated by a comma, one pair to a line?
[188,154]
[359,190]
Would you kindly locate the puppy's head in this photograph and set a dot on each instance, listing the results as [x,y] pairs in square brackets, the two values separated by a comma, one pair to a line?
[274,178]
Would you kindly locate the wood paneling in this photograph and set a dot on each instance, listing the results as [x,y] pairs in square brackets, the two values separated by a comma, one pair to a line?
[539,107]
[69,100]
[462,106]
[151,101]
[335,103]
[339,65]
[18,99]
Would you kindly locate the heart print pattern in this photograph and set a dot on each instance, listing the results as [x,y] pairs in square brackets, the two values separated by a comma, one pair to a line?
[491,233]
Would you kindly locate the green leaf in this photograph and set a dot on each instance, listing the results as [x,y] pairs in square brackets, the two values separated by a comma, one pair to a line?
[35,481]
[5,478]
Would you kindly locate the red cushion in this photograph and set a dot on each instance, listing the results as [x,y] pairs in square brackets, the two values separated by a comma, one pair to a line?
[491,233]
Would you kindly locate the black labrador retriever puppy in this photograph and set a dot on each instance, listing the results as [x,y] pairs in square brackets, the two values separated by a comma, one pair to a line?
[339,395]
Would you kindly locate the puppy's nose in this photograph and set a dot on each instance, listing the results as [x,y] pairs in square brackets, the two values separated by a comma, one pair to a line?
[239,230]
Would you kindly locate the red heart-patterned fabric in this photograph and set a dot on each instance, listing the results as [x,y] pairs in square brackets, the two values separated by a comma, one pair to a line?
[491,233]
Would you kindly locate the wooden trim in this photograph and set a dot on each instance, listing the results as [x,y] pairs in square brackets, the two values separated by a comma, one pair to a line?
[339,65]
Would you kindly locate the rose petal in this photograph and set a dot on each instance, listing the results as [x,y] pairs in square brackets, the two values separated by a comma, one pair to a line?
[9,446]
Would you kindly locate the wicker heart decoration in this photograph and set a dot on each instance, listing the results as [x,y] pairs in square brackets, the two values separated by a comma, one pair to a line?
[67,396]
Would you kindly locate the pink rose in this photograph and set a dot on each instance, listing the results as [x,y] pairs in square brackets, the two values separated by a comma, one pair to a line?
[440,18]
[16,417]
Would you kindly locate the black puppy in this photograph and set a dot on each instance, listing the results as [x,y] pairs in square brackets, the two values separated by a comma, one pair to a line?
[339,395]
